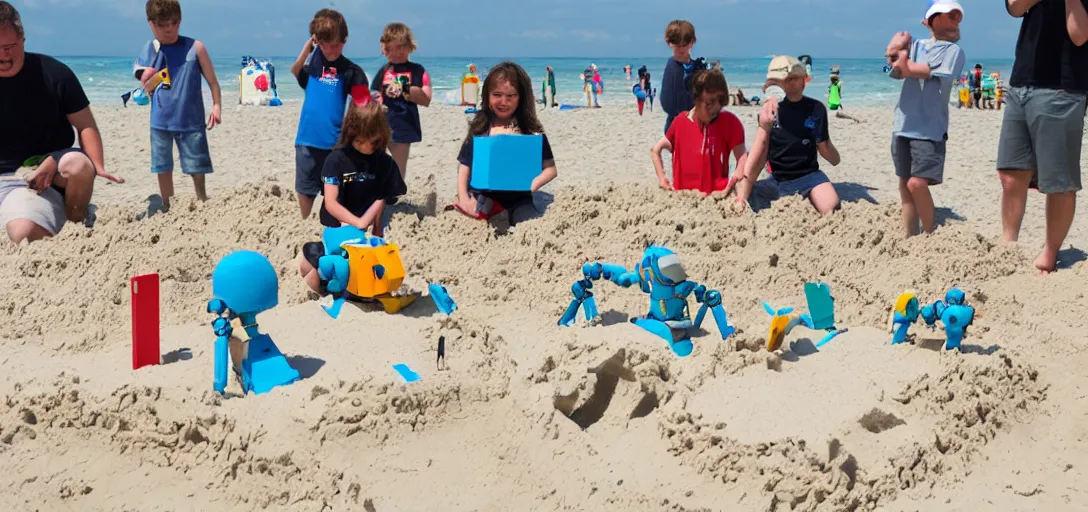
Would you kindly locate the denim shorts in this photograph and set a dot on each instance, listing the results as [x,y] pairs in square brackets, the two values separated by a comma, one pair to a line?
[769,189]
[1042,132]
[192,152]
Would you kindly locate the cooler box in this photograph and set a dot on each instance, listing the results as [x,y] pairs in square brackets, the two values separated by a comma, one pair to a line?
[506,162]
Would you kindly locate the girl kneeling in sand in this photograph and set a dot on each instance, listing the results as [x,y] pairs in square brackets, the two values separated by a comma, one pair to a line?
[792,134]
[702,139]
[508,107]
[358,177]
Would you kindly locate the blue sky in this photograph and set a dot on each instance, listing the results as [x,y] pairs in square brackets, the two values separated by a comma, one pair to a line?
[515,28]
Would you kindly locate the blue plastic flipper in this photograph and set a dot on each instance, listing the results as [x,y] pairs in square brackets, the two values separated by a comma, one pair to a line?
[334,309]
[442,299]
[682,348]
[265,367]
[406,372]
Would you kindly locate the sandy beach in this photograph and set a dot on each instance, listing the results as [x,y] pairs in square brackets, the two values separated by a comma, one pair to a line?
[531,415]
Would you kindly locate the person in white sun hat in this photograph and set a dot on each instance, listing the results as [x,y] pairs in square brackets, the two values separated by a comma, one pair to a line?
[929,69]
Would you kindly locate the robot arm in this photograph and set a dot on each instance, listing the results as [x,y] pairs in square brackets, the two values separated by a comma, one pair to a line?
[582,290]
[933,312]
[614,273]
[712,300]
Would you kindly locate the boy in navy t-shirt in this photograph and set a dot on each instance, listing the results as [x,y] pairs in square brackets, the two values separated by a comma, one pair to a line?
[403,87]
[329,79]
[676,79]
[177,102]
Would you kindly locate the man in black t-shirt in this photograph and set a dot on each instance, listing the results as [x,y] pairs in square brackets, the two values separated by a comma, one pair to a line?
[1041,132]
[792,134]
[42,101]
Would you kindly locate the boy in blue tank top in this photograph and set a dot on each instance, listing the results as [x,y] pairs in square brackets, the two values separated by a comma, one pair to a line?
[170,67]
[329,79]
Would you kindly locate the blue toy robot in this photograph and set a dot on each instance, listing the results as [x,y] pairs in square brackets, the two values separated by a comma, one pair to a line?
[661,275]
[955,315]
[244,284]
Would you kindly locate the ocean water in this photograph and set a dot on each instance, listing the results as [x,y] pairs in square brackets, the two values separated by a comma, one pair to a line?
[864,82]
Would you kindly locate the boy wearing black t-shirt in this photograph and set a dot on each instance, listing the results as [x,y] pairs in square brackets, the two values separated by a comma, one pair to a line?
[358,178]
[792,133]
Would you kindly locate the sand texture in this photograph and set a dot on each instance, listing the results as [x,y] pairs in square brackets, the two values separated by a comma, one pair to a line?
[530,415]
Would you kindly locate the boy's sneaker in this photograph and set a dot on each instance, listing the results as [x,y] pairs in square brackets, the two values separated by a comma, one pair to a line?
[390,201]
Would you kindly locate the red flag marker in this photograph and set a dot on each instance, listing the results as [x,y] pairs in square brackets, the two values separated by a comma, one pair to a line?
[145,320]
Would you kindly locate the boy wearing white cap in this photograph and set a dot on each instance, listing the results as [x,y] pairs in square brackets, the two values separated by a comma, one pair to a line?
[792,134]
[929,70]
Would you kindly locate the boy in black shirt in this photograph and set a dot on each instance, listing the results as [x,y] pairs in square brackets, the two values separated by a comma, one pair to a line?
[792,132]
[1041,133]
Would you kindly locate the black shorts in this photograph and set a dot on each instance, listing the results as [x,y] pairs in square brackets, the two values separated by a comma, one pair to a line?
[313,251]
[308,164]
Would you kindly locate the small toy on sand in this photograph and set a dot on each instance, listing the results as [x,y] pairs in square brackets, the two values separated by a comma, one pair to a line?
[953,312]
[145,320]
[244,284]
[660,275]
[442,299]
[904,313]
[820,316]
[782,323]
[359,266]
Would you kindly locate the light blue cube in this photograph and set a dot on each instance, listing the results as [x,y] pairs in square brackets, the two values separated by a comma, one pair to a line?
[506,162]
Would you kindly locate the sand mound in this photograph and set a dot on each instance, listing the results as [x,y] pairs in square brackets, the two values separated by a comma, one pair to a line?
[529,413]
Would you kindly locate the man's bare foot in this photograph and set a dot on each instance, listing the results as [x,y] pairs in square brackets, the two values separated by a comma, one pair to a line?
[1046,264]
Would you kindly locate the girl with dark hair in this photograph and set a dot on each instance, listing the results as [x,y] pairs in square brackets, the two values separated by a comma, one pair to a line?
[508,107]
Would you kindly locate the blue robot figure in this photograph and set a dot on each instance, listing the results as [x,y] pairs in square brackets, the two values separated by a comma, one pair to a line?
[904,314]
[244,284]
[661,275]
[955,315]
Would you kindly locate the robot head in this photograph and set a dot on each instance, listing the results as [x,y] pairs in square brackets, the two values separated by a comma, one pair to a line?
[955,297]
[246,282]
[665,264]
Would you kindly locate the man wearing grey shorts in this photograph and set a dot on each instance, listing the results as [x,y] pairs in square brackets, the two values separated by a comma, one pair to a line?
[1041,132]
[42,101]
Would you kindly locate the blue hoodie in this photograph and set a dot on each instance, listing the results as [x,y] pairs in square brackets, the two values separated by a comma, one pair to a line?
[675,95]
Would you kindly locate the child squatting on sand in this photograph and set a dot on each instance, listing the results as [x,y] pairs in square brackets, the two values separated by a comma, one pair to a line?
[792,133]
[702,139]
[928,71]
[508,107]
[358,176]
[404,87]
[328,78]
[177,109]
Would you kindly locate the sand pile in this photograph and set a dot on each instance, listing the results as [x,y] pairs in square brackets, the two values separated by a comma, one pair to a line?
[530,415]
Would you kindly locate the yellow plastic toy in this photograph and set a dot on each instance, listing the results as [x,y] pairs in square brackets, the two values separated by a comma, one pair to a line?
[375,273]
[780,326]
[160,79]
